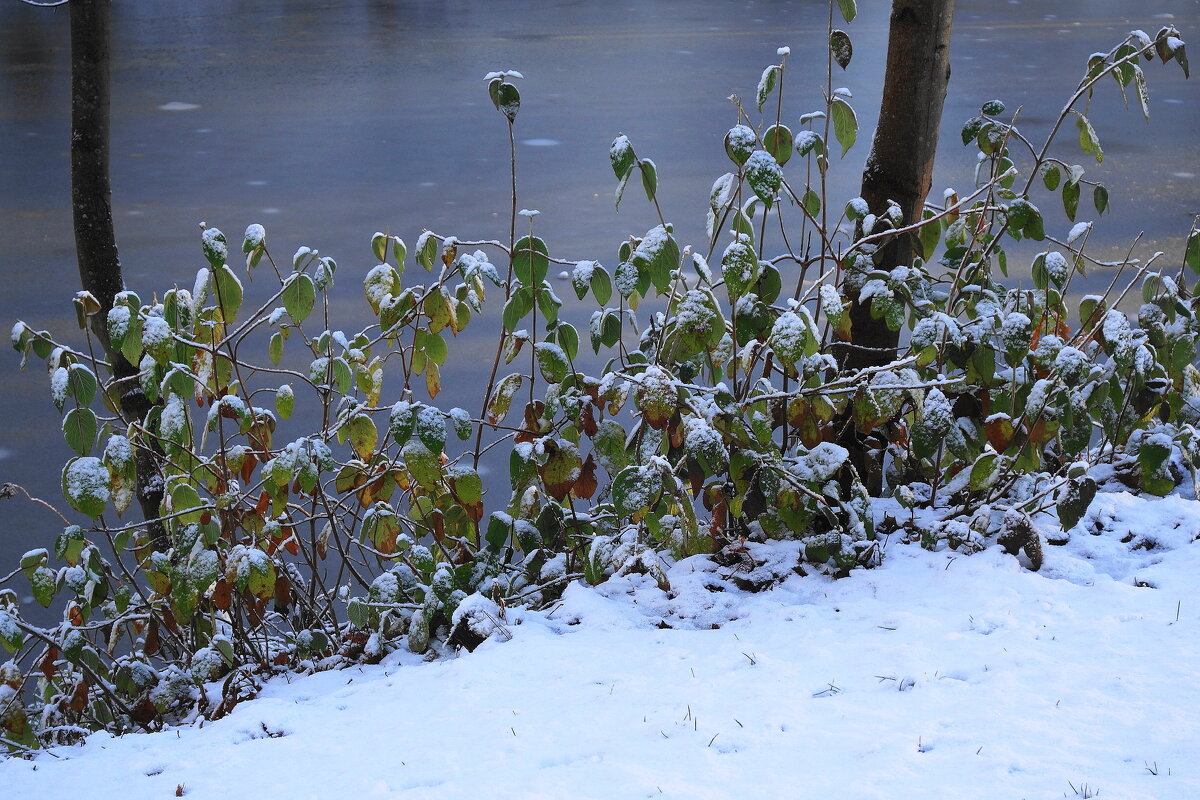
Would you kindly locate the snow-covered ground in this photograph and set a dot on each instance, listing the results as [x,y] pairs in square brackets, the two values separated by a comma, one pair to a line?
[935,676]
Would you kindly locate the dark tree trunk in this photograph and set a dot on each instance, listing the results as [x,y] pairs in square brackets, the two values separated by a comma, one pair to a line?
[900,167]
[95,241]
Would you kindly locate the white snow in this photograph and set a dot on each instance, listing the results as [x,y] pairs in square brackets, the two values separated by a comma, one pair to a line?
[741,137]
[155,332]
[1077,230]
[59,380]
[935,675]
[255,234]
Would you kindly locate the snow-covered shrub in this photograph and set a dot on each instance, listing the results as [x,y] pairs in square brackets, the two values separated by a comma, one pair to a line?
[321,505]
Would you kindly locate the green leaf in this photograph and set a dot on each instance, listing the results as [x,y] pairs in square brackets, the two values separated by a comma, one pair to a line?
[435,348]
[621,156]
[811,202]
[184,497]
[810,142]
[229,291]
[1034,228]
[845,123]
[215,248]
[362,435]
[649,178]
[32,560]
[520,304]
[984,471]
[1151,455]
[601,285]
[81,384]
[931,233]
[436,305]
[620,192]
[427,248]
[1088,141]
[778,141]
[299,296]
[1139,79]
[42,582]
[635,489]
[764,176]
[1074,501]
[841,48]
[1051,175]
[530,260]
[285,401]
[506,98]
[85,484]
[1070,196]
[501,398]
[626,278]
[971,128]
[848,8]
[431,428]
[1100,198]
[766,83]
[552,361]
[11,636]
[568,339]
[343,376]
[379,243]
[1192,252]
[609,444]
[79,427]
[275,348]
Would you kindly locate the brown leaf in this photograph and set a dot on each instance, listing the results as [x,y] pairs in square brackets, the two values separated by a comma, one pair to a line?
[675,430]
[79,698]
[264,502]
[323,545]
[586,484]
[533,414]
[587,420]
[695,476]
[143,712]
[1000,433]
[716,527]
[283,593]
[48,667]
[255,609]
[152,644]
[222,595]
[248,464]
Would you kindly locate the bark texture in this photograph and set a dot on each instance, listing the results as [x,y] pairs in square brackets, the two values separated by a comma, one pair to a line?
[91,194]
[900,166]
[95,240]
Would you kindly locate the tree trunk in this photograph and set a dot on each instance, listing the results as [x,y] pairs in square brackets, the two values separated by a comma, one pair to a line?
[95,241]
[900,166]
[900,169]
